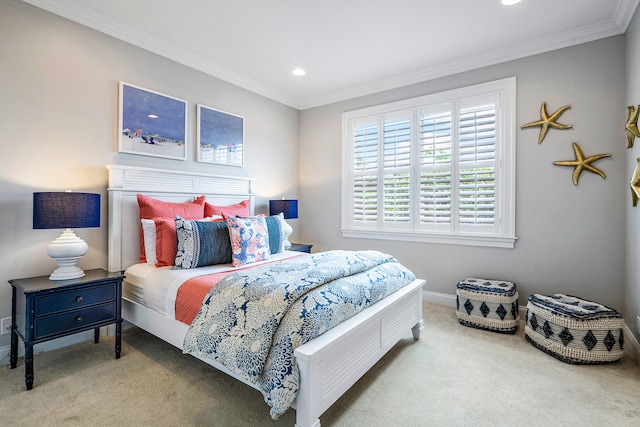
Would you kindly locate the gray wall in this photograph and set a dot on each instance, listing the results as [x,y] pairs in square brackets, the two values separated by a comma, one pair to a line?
[571,239]
[58,116]
[58,85]
[632,295]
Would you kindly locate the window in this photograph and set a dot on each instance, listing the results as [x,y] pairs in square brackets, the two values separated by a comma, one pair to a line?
[439,168]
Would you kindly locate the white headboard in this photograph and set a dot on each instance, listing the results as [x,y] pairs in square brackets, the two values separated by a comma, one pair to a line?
[126,182]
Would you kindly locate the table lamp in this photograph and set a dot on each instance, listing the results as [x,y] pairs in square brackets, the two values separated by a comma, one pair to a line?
[289,209]
[66,210]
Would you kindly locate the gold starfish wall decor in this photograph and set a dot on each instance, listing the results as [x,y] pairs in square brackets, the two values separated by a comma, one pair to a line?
[548,121]
[582,163]
[631,127]
[635,184]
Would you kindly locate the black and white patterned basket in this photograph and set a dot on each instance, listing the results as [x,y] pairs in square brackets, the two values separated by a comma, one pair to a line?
[488,304]
[574,330]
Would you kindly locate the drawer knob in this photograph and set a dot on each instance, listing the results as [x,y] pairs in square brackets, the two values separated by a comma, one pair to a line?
[79,319]
[79,299]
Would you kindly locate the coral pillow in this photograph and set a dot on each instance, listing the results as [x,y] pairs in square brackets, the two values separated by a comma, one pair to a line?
[160,241]
[249,239]
[166,241]
[153,208]
[239,209]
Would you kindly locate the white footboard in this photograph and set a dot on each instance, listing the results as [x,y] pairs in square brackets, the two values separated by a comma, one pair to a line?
[330,364]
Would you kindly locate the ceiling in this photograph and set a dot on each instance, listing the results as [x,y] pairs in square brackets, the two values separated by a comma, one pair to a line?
[349,48]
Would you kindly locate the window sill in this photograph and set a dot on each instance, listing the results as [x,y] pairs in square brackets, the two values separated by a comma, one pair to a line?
[422,237]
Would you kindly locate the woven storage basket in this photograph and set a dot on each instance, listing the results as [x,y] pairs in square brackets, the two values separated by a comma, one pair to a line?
[488,304]
[574,330]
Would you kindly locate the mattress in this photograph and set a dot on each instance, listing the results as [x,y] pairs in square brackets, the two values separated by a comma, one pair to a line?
[157,288]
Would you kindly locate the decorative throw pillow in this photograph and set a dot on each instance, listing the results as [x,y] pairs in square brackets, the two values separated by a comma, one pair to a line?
[166,241]
[161,241]
[201,243]
[276,233]
[249,239]
[239,209]
[153,208]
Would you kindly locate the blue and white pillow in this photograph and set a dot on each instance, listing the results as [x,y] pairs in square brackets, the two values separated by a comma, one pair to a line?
[249,239]
[201,243]
[276,233]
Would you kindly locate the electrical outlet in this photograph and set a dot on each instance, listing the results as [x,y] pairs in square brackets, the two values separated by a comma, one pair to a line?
[5,326]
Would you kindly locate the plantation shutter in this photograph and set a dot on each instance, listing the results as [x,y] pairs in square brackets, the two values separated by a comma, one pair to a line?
[477,160]
[438,168]
[435,168]
[365,167]
[396,170]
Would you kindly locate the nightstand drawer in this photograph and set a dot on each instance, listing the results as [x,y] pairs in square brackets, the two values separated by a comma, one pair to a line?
[70,300]
[76,319]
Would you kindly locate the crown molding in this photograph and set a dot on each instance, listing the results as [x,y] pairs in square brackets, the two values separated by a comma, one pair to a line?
[106,24]
[616,25]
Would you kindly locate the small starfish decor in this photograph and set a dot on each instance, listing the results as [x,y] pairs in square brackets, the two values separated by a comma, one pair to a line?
[582,163]
[548,121]
[635,184]
[631,127]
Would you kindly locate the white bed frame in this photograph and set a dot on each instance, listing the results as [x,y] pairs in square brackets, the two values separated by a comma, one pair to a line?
[329,364]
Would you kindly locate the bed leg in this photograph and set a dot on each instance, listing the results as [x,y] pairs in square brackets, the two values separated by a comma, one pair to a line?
[417,329]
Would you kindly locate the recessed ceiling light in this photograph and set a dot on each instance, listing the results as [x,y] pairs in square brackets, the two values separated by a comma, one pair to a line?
[299,72]
[510,2]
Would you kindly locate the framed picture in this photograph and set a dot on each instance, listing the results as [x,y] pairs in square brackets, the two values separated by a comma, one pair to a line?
[220,137]
[152,124]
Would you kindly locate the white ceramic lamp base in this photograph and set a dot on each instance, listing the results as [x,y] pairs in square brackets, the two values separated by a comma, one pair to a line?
[66,250]
[286,232]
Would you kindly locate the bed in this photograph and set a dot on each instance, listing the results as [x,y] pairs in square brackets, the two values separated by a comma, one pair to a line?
[328,365]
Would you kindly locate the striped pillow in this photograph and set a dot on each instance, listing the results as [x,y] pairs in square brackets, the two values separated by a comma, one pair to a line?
[276,233]
[201,243]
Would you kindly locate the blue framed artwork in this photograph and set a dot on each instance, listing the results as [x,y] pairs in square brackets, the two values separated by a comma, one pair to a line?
[220,137]
[151,123]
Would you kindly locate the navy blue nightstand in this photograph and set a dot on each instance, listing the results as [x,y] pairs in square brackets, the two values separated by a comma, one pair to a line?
[301,247]
[42,309]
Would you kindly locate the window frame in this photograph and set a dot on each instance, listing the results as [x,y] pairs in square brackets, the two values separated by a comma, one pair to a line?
[505,164]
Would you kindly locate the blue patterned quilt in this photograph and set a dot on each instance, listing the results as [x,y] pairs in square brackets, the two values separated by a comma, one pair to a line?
[252,320]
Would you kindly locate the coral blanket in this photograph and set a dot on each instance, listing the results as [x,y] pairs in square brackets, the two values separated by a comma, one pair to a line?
[192,292]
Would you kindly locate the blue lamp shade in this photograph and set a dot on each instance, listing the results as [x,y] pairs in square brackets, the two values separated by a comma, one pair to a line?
[65,210]
[288,207]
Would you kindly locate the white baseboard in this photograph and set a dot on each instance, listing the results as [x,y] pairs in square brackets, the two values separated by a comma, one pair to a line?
[4,355]
[447,300]
[631,347]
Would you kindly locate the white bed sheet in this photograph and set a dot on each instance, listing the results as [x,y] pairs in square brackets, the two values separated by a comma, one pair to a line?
[157,288]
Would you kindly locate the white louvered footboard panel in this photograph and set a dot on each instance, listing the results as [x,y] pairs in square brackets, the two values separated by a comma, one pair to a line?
[360,354]
[333,362]
[394,327]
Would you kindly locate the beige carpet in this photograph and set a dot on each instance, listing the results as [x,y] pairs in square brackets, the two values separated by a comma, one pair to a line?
[454,376]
